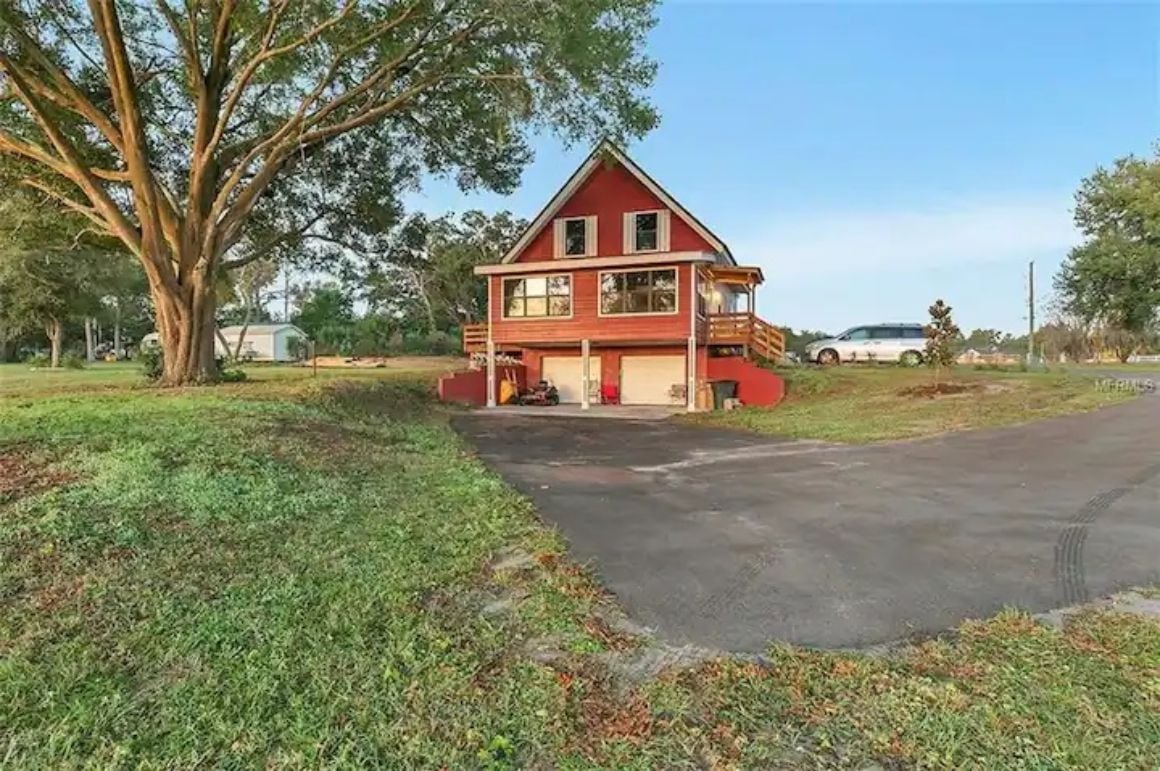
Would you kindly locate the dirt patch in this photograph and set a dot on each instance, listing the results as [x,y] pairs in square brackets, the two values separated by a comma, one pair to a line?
[935,390]
[23,474]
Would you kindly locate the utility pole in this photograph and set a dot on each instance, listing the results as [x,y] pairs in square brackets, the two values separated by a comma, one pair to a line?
[1030,312]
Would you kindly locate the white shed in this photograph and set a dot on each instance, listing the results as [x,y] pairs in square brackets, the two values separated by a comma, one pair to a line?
[263,342]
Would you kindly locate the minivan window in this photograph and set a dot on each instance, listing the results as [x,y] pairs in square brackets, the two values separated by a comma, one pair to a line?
[859,333]
[885,333]
[913,333]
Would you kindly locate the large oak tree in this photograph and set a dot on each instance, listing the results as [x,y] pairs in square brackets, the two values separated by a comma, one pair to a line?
[208,133]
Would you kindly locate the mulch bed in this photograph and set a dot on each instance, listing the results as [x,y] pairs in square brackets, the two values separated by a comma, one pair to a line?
[932,390]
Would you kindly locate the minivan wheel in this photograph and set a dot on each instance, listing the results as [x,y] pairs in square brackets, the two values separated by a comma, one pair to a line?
[828,356]
[910,359]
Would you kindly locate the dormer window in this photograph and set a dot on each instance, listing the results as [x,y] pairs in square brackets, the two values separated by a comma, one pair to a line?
[575,237]
[646,231]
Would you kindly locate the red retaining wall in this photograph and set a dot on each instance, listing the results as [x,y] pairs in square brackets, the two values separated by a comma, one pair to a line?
[756,386]
[470,386]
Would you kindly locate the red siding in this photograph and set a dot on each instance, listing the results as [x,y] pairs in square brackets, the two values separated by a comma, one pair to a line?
[586,321]
[470,386]
[756,386]
[609,192]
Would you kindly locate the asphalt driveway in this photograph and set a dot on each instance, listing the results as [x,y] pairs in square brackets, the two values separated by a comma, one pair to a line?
[732,540]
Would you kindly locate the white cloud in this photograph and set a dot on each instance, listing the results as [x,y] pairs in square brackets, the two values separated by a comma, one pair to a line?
[976,231]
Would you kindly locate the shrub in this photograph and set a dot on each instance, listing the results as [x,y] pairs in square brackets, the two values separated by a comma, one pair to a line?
[38,360]
[72,360]
[152,363]
[232,376]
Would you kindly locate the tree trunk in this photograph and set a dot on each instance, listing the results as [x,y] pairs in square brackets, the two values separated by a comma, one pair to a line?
[185,326]
[117,327]
[90,344]
[53,330]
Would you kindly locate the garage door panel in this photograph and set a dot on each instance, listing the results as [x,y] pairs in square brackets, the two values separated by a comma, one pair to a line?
[566,373]
[650,379]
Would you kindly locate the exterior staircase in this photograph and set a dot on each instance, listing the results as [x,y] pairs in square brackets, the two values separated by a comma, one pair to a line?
[756,335]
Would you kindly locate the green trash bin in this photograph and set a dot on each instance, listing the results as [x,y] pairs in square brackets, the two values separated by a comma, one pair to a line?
[722,390]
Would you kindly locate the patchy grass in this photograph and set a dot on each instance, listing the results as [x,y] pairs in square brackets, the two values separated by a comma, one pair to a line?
[21,380]
[866,404]
[307,574]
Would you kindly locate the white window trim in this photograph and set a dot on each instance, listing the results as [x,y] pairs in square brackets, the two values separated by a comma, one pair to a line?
[629,231]
[560,230]
[651,268]
[503,314]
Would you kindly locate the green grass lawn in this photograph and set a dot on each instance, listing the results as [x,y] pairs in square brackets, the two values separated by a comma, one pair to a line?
[290,573]
[868,403]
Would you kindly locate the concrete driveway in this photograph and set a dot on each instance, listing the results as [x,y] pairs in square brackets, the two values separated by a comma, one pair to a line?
[732,540]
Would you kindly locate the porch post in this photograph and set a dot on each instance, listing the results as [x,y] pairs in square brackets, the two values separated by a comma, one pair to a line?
[691,354]
[585,373]
[490,373]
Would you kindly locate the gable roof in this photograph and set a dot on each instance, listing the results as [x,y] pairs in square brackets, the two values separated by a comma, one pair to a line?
[607,147]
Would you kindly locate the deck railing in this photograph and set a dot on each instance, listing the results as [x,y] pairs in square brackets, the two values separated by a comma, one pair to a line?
[474,338]
[741,329]
[749,330]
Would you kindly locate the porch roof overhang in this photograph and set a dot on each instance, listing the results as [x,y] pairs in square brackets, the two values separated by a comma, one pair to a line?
[744,275]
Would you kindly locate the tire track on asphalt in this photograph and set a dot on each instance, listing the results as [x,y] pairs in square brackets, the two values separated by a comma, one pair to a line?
[1068,568]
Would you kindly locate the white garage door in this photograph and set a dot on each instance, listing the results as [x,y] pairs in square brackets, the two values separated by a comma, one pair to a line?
[565,373]
[650,379]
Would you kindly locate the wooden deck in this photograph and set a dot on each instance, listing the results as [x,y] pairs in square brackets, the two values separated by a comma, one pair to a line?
[747,330]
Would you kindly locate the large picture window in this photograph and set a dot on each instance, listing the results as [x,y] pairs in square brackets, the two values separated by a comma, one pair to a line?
[638,291]
[537,297]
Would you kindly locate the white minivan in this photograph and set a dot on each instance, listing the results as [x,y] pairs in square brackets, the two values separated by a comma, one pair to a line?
[902,343]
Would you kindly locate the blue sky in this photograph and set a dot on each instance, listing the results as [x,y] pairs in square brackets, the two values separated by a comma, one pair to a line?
[873,157]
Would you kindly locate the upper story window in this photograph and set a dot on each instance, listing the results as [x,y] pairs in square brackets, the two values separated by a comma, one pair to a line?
[638,291]
[537,297]
[646,231]
[575,237]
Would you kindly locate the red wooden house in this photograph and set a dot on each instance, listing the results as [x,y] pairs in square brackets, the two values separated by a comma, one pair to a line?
[616,288]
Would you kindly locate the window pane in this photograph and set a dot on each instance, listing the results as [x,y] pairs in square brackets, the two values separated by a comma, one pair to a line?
[513,288]
[885,333]
[638,302]
[636,280]
[664,279]
[559,285]
[515,307]
[536,306]
[913,333]
[559,306]
[646,232]
[861,333]
[575,242]
[537,287]
[664,301]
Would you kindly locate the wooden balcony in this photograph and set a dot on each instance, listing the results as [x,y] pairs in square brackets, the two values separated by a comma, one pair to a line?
[746,330]
[752,332]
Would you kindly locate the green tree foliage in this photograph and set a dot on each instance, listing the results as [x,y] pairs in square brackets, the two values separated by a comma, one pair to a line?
[426,279]
[797,341]
[326,314]
[52,269]
[941,335]
[1112,279]
[204,135]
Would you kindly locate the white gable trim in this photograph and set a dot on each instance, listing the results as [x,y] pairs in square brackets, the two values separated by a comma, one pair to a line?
[545,217]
